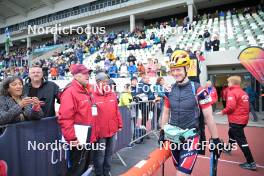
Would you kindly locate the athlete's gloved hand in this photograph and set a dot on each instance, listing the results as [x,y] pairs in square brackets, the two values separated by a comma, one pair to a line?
[216,145]
[161,137]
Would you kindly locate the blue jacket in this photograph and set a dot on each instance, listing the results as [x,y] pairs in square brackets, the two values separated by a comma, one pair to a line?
[113,71]
[159,90]
[251,93]
[145,89]
[134,91]
[132,69]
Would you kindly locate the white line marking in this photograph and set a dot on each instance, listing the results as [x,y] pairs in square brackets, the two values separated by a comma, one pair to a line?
[227,161]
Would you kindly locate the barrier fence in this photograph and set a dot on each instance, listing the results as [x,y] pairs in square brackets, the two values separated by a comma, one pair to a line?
[33,148]
[144,119]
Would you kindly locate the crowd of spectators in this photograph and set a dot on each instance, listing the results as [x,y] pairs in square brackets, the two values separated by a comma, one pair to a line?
[77,48]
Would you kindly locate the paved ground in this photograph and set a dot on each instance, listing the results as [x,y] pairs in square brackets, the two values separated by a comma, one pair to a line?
[133,155]
[227,166]
[259,123]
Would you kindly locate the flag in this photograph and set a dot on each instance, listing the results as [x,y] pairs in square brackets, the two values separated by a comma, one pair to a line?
[252,58]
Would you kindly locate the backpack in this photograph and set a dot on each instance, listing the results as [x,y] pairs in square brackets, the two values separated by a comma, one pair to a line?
[201,151]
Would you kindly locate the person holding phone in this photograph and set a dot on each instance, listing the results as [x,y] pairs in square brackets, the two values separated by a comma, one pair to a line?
[14,106]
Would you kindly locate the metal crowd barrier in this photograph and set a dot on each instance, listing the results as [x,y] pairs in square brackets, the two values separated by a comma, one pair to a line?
[144,120]
[33,147]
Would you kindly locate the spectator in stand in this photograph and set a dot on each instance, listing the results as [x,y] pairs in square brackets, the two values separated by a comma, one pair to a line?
[252,98]
[206,34]
[185,26]
[195,18]
[177,47]
[110,56]
[137,46]
[16,107]
[215,43]
[213,93]
[172,22]
[169,51]
[97,59]
[46,91]
[132,69]
[108,123]
[151,69]
[199,54]
[222,14]
[156,40]
[131,46]
[124,40]
[131,58]
[79,54]
[61,72]
[113,70]
[143,44]
[188,49]
[162,43]
[53,72]
[246,11]
[208,46]
[158,66]
[107,64]
[140,68]
[259,8]
[234,11]
[152,36]
[123,70]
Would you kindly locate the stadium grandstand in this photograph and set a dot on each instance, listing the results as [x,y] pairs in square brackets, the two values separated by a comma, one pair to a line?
[128,40]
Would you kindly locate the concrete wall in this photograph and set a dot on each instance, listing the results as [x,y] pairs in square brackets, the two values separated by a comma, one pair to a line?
[221,62]
[228,57]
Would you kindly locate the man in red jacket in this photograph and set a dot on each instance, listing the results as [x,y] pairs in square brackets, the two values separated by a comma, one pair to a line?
[108,122]
[237,110]
[75,108]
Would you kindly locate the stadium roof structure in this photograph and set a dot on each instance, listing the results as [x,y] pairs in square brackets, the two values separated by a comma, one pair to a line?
[13,8]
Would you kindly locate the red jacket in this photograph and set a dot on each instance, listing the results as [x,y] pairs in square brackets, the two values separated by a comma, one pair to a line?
[213,94]
[75,108]
[109,120]
[224,93]
[237,106]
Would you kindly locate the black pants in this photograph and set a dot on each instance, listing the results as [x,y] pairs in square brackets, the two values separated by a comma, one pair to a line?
[145,110]
[79,162]
[224,103]
[236,134]
[159,110]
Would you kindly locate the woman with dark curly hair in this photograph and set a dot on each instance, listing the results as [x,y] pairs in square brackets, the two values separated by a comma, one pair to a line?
[14,106]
